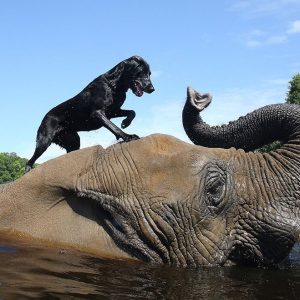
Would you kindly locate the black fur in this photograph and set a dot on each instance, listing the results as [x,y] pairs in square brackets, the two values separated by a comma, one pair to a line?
[93,108]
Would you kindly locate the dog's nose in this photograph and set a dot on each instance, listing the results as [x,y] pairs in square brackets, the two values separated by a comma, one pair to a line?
[150,89]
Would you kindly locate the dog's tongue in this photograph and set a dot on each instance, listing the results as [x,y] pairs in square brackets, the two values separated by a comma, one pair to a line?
[138,91]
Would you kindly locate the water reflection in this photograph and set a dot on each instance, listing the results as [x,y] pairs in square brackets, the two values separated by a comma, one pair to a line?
[32,272]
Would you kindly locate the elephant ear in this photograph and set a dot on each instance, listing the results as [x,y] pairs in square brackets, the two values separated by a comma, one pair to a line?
[198,100]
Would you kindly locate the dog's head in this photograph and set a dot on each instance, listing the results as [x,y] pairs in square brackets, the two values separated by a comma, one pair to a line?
[138,74]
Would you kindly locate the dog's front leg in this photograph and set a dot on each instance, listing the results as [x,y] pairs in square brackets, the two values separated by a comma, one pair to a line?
[100,117]
[129,114]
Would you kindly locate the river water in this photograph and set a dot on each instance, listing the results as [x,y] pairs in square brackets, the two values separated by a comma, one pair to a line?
[31,272]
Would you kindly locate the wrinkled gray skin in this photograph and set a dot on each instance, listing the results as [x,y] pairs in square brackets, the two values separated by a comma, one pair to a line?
[267,223]
[162,200]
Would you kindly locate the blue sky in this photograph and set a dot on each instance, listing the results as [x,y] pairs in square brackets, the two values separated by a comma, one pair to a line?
[242,52]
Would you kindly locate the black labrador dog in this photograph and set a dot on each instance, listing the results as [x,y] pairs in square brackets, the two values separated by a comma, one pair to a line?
[93,108]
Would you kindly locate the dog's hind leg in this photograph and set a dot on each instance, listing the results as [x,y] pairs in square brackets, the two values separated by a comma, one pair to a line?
[68,140]
[45,135]
[42,143]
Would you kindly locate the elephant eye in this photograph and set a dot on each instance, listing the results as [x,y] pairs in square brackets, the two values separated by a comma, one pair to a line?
[215,187]
[215,190]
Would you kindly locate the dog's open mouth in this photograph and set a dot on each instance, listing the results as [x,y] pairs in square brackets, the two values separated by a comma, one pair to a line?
[137,89]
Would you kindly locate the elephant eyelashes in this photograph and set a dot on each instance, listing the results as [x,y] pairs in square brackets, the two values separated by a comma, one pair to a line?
[215,191]
[215,187]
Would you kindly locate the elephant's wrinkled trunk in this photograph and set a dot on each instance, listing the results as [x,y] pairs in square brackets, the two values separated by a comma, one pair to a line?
[262,126]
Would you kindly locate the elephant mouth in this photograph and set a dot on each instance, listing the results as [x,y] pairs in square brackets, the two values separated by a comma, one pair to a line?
[134,236]
[121,226]
[265,251]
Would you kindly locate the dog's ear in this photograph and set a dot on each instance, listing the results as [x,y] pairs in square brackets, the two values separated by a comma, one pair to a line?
[131,63]
[127,65]
[118,70]
[137,58]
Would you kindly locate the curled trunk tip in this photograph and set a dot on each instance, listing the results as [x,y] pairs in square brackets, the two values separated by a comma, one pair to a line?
[197,100]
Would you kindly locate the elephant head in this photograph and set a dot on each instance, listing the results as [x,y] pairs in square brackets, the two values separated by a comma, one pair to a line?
[161,200]
[266,185]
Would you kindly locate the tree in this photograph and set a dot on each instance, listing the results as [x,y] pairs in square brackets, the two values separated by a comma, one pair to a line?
[11,166]
[293,95]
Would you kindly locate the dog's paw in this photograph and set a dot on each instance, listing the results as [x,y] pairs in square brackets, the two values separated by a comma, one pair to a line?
[130,137]
[27,169]
[125,123]
[135,137]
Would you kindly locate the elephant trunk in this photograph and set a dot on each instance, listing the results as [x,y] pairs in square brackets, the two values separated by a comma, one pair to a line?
[279,170]
[262,126]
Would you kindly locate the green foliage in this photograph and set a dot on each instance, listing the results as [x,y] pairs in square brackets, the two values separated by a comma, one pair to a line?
[293,95]
[11,166]
[269,147]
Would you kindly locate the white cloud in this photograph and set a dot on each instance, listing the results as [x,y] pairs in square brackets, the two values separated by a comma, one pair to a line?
[257,38]
[276,39]
[258,33]
[294,27]
[253,43]
[277,82]
[281,9]
[260,8]
[156,73]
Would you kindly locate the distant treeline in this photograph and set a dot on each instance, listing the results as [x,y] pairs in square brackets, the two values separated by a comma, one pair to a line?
[293,94]
[11,166]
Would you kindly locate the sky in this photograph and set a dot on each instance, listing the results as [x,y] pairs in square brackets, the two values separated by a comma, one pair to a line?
[244,53]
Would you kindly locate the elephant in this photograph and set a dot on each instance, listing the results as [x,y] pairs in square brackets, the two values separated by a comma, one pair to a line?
[162,200]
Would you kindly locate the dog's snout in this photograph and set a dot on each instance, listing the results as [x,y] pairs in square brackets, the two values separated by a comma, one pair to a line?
[150,89]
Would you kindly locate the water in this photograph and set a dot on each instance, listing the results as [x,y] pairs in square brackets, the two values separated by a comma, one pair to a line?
[31,272]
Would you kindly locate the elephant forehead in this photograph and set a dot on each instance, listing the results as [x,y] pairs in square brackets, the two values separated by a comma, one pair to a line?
[166,164]
[160,154]
[161,164]
[158,144]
